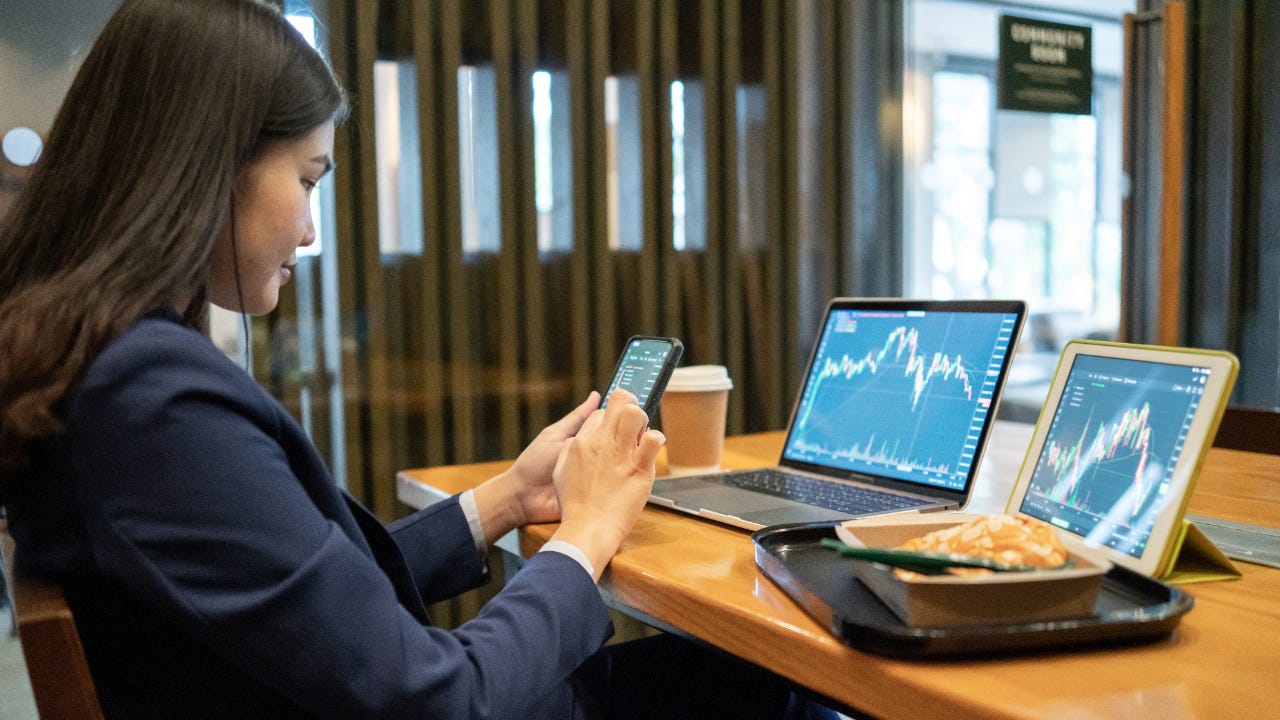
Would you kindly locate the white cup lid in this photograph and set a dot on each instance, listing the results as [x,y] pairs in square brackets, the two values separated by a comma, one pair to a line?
[700,378]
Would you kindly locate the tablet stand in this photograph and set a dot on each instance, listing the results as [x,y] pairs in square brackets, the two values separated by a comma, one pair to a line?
[1197,559]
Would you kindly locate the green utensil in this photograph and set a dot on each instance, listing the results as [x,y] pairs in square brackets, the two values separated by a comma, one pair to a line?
[927,563]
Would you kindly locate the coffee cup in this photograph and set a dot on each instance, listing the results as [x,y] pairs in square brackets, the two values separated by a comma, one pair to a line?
[693,418]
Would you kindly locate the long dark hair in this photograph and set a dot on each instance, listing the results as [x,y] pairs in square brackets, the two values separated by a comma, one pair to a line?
[134,186]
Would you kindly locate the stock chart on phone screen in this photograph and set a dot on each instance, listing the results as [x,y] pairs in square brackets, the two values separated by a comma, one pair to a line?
[1114,440]
[902,394]
[640,368]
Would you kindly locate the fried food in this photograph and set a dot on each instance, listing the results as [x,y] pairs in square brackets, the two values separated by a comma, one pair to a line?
[1002,538]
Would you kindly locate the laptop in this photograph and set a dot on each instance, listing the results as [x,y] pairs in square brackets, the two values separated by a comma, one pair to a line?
[896,406]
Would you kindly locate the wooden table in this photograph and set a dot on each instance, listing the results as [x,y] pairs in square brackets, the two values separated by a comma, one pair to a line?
[700,578]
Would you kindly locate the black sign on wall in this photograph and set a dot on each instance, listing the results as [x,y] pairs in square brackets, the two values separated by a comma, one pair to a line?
[1045,66]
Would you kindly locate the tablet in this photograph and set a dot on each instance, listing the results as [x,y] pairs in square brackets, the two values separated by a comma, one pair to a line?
[1118,445]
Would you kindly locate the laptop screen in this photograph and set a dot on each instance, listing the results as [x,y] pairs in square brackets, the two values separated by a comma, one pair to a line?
[1111,448]
[902,392]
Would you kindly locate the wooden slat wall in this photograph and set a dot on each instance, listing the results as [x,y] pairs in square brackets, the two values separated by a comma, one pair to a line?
[639,271]
[715,280]
[725,65]
[431,103]
[376,307]
[515,162]
[667,272]
[533,318]
[585,22]
[1173,141]
[603,304]
[464,357]
[353,211]
[1152,308]
[456,339]
[779,269]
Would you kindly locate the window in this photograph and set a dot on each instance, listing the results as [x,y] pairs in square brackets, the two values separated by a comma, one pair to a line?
[1005,203]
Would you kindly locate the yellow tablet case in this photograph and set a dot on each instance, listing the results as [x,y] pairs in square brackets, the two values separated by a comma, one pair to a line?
[1196,559]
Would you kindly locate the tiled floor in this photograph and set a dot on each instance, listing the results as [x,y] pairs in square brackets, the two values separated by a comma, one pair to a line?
[15,691]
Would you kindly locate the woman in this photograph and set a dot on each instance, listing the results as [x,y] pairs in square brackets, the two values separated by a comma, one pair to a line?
[214,568]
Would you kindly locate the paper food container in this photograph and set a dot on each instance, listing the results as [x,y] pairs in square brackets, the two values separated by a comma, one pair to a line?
[954,600]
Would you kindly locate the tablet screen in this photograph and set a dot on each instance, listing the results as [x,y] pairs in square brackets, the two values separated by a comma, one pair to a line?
[1108,459]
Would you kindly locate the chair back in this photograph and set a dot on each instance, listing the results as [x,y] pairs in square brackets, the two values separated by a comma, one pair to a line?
[1250,429]
[56,664]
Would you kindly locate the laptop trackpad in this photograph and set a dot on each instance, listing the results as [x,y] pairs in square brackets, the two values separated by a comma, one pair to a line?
[696,494]
[794,513]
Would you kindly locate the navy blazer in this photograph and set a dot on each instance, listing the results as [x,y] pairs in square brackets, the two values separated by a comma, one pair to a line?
[215,570]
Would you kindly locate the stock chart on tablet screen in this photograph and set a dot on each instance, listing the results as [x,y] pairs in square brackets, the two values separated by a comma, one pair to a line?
[901,393]
[1115,438]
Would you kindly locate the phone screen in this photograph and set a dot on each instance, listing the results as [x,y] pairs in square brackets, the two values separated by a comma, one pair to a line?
[645,368]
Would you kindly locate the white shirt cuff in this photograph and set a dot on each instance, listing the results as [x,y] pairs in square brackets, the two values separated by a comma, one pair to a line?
[567,548]
[467,501]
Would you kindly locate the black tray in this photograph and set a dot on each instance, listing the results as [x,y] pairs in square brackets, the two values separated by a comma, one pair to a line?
[1131,608]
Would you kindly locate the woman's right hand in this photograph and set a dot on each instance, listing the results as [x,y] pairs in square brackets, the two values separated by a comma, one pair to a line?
[603,477]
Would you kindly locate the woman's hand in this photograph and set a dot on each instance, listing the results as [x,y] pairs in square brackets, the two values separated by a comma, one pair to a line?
[604,477]
[524,493]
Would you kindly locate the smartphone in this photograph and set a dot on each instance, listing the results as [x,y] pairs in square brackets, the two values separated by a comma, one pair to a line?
[644,369]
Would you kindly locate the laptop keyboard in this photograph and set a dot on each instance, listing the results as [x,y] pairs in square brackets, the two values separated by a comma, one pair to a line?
[830,495]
